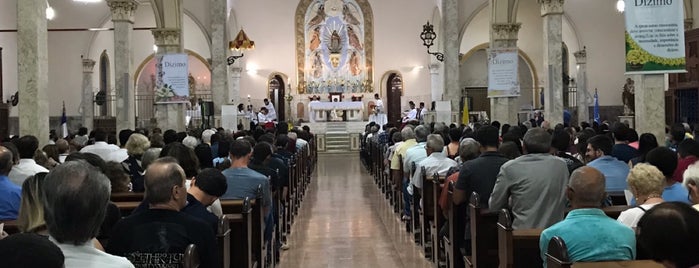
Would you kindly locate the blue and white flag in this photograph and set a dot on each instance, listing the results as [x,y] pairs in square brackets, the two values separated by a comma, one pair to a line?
[596,109]
[64,121]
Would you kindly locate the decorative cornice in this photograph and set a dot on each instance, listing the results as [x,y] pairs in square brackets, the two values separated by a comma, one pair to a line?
[581,56]
[505,31]
[166,36]
[688,24]
[434,67]
[122,10]
[88,65]
[551,7]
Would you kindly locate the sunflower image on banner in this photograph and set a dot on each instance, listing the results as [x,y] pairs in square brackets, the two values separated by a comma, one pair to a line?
[654,36]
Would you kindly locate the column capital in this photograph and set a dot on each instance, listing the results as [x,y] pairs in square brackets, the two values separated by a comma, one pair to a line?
[167,36]
[551,7]
[688,24]
[88,65]
[122,10]
[505,31]
[581,56]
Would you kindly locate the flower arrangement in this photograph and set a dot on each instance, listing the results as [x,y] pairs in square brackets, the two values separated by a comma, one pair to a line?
[357,98]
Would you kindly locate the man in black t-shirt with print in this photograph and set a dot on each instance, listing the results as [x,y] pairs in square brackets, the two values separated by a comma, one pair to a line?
[160,235]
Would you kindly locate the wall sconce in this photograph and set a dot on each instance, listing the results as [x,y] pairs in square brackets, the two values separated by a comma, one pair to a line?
[240,43]
[428,35]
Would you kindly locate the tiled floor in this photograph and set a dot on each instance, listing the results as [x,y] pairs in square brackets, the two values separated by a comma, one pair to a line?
[345,222]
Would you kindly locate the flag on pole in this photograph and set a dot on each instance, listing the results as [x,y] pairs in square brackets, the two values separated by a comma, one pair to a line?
[596,109]
[64,121]
[465,117]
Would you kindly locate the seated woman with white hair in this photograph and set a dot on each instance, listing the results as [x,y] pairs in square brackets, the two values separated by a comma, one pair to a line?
[646,183]
[691,180]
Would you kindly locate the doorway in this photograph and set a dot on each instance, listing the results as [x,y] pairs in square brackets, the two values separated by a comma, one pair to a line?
[276,94]
[394,91]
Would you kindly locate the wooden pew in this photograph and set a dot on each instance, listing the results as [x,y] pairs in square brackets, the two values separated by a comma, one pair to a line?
[127,207]
[557,257]
[484,234]
[398,182]
[247,236]
[11,227]
[223,241]
[517,248]
[438,255]
[452,242]
[126,197]
[424,213]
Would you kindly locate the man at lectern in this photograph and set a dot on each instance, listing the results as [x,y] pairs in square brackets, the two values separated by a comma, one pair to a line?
[271,112]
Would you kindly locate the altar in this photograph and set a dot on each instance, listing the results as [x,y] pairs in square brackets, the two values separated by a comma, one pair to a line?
[336,111]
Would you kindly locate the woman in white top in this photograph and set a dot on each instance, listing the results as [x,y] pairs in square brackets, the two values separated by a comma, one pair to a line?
[646,183]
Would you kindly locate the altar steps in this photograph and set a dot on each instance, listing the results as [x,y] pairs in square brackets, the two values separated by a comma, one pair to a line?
[337,139]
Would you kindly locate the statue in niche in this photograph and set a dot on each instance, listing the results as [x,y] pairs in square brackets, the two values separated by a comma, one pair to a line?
[335,46]
[354,64]
[317,65]
[627,97]
[319,17]
[353,38]
[315,39]
[348,16]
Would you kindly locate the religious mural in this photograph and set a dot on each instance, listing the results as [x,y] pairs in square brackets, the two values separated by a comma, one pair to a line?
[334,51]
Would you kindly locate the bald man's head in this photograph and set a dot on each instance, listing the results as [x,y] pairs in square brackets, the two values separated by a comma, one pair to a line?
[5,161]
[161,176]
[586,187]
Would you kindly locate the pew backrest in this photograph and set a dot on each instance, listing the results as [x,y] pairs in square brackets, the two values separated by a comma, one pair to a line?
[557,257]
[191,257]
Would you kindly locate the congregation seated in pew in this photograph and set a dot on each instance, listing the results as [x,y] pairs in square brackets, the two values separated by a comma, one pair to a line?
[163,230]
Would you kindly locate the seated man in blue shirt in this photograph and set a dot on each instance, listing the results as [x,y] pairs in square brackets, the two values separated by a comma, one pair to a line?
[244,182]
[598,156]
[10,194]
[589,234]
[666,161]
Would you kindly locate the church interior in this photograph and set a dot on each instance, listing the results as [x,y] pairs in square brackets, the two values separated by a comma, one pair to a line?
[342,77]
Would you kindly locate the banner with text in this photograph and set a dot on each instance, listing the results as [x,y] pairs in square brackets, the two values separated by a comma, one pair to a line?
[654,36]
[503,79]
[172,83]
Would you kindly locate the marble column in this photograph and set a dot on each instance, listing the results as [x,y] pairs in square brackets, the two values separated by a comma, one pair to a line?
[504,109]
[552,12]
[452,90]
[32,69]
[234,87]
[169,115]
[581,82]
[437,88]
[650,105]
[122,17]
[219,48]
[88,105]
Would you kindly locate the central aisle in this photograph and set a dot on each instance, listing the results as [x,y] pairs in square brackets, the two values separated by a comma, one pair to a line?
[346,222]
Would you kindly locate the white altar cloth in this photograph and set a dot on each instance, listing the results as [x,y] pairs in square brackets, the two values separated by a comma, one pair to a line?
[319,109]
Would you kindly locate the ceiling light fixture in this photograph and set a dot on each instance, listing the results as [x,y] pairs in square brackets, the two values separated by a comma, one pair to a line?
[87,1]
